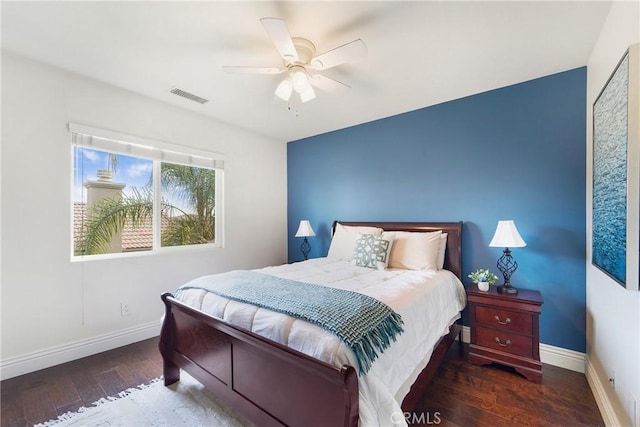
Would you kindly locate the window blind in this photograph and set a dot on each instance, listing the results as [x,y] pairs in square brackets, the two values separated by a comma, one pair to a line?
[115,142]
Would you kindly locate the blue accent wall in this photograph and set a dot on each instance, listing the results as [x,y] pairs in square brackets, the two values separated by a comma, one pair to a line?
[512,153]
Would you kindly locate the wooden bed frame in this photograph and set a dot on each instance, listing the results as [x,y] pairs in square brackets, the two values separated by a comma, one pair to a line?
[271,384]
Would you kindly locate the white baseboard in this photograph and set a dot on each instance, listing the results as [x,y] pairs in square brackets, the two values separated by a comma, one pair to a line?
[37,360]
[549,354]
[562,357]
[598,388]
[20,365]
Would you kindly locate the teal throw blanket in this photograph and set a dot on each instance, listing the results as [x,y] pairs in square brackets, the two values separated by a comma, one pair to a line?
[365,324]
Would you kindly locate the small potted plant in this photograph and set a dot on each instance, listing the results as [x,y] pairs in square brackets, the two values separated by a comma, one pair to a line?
[483,278]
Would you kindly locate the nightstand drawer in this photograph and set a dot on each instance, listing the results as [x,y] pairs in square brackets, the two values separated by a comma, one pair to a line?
[504,341]
[504,319]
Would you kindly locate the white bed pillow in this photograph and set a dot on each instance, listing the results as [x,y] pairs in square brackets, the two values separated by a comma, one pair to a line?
[344,240]
[372,251]
[414,250]
[441,250]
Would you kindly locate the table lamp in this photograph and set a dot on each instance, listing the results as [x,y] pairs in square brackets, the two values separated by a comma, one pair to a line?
[507,236]
[305,230]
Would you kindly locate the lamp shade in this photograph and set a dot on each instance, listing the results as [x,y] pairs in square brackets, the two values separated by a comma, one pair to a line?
[308,94]
[507,236]
[284,89]
[300,80]
[304,229]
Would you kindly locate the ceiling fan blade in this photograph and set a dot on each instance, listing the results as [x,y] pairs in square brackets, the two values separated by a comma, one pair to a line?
[279,34]
[328,84]
[251,70]
[347,52]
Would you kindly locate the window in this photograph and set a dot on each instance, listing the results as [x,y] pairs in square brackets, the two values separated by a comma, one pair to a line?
[136,195]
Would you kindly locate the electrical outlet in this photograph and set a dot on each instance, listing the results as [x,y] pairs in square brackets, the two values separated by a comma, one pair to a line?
[125,309]
[612,379]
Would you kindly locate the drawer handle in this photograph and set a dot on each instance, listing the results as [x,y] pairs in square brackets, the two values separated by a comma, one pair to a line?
[506,322]
[501,344]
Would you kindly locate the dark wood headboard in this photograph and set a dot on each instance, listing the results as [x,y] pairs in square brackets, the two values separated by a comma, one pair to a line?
[453,254]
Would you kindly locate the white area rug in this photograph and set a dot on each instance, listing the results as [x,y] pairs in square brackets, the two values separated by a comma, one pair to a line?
[185,403]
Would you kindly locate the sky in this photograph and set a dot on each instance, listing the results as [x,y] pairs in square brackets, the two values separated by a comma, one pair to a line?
[133,171]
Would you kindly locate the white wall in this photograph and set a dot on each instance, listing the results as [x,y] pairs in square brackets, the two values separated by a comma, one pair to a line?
[52,309]
[613,313]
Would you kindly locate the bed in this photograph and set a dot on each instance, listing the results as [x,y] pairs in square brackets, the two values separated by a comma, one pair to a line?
[271,383]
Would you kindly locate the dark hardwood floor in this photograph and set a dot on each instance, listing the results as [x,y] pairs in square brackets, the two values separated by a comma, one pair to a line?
[43,395]
[461,394]
[493,395]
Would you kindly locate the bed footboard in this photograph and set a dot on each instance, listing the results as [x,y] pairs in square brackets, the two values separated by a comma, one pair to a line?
[268,383]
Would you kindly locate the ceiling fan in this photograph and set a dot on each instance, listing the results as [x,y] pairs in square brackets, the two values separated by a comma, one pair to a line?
[300,63]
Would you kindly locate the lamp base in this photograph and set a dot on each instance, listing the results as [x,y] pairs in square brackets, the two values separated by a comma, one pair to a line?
[305,247]
[507,290]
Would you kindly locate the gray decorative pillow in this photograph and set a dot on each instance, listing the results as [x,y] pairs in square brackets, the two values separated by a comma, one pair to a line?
[372,251]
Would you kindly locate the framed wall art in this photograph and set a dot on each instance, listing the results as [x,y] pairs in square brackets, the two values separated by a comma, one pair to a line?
[616,180]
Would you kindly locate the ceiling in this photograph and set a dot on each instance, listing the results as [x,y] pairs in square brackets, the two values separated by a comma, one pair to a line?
[419,53]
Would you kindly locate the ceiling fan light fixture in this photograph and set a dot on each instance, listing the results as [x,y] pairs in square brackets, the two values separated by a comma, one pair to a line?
[284,89]
[299,58]
[307,94]
[300,81]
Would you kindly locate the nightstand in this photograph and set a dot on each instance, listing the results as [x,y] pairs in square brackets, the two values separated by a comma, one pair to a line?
[505,329]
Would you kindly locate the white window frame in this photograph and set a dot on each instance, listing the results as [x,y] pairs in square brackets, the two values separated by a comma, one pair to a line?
[158,152]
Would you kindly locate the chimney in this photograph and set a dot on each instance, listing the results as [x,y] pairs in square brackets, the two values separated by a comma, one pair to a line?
[104,188]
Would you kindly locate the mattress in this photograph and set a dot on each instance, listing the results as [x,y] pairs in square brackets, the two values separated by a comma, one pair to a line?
[428,301]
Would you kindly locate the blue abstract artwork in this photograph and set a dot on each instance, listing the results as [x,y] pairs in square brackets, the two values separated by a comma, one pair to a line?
[610,144]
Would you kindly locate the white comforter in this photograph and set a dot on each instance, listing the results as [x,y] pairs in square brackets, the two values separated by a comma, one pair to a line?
[428,301]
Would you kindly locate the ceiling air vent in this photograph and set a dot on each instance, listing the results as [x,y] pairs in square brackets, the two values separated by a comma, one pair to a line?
[189,96]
